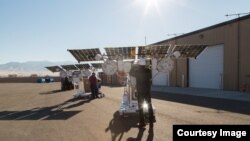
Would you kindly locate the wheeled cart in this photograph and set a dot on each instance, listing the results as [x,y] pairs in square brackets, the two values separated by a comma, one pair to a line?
[82,88]
[129,103]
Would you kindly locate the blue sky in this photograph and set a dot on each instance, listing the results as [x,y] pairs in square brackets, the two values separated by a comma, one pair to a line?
[33,30]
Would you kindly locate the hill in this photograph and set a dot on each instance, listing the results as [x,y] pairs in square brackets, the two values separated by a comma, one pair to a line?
[30,67]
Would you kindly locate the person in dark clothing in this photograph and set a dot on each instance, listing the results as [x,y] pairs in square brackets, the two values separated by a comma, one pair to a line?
[93,85]
[62,84]
[143,76]
[66,83]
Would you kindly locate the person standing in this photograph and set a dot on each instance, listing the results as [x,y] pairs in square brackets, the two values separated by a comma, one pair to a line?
[142,74]
[93,85]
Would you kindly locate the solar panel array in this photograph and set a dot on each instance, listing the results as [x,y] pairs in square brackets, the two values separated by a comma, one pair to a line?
[54,68]
[82,66]
[69,67]
[97,65]
[159,50]
[189,51]
[113,53]
[85,54]
[121,53]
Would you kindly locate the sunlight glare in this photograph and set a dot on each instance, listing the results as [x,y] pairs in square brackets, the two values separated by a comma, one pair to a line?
[151,5]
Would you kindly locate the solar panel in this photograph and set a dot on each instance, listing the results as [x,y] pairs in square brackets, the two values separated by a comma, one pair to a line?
[190,51]
[159,50]
[85,54]
[69,67]
[54,68]
[82,66]
[97,65]
[121,52]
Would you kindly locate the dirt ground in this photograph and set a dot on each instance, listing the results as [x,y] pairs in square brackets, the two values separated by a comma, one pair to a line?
[38,112]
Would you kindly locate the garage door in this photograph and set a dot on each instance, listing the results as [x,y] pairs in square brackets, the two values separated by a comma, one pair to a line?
[206,70]
[159,78]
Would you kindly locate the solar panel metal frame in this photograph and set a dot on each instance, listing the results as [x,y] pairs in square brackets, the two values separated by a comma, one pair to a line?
[189,51]
[54,68]
[97,65]
[69,67]
[159,50]
[85,54]
[82,66]
[121,52]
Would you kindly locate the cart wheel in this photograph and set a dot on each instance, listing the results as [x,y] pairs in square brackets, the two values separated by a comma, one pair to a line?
[101,95]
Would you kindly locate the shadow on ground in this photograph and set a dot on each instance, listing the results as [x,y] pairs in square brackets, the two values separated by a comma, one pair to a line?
[51,92]
[215,103]
[56,112]
[113,86]
[150,136]
[118,126]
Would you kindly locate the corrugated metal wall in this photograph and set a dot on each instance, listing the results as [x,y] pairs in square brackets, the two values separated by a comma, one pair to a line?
[236,39]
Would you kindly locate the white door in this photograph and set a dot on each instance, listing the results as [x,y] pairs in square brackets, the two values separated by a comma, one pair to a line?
[206,70]
[159,78]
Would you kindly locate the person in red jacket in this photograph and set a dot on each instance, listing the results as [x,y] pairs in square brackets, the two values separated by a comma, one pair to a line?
[93,85]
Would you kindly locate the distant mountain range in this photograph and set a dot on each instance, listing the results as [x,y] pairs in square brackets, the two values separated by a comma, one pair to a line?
[30,66]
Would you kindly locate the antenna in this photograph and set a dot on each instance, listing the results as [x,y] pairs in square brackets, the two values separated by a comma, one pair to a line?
[237,14]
